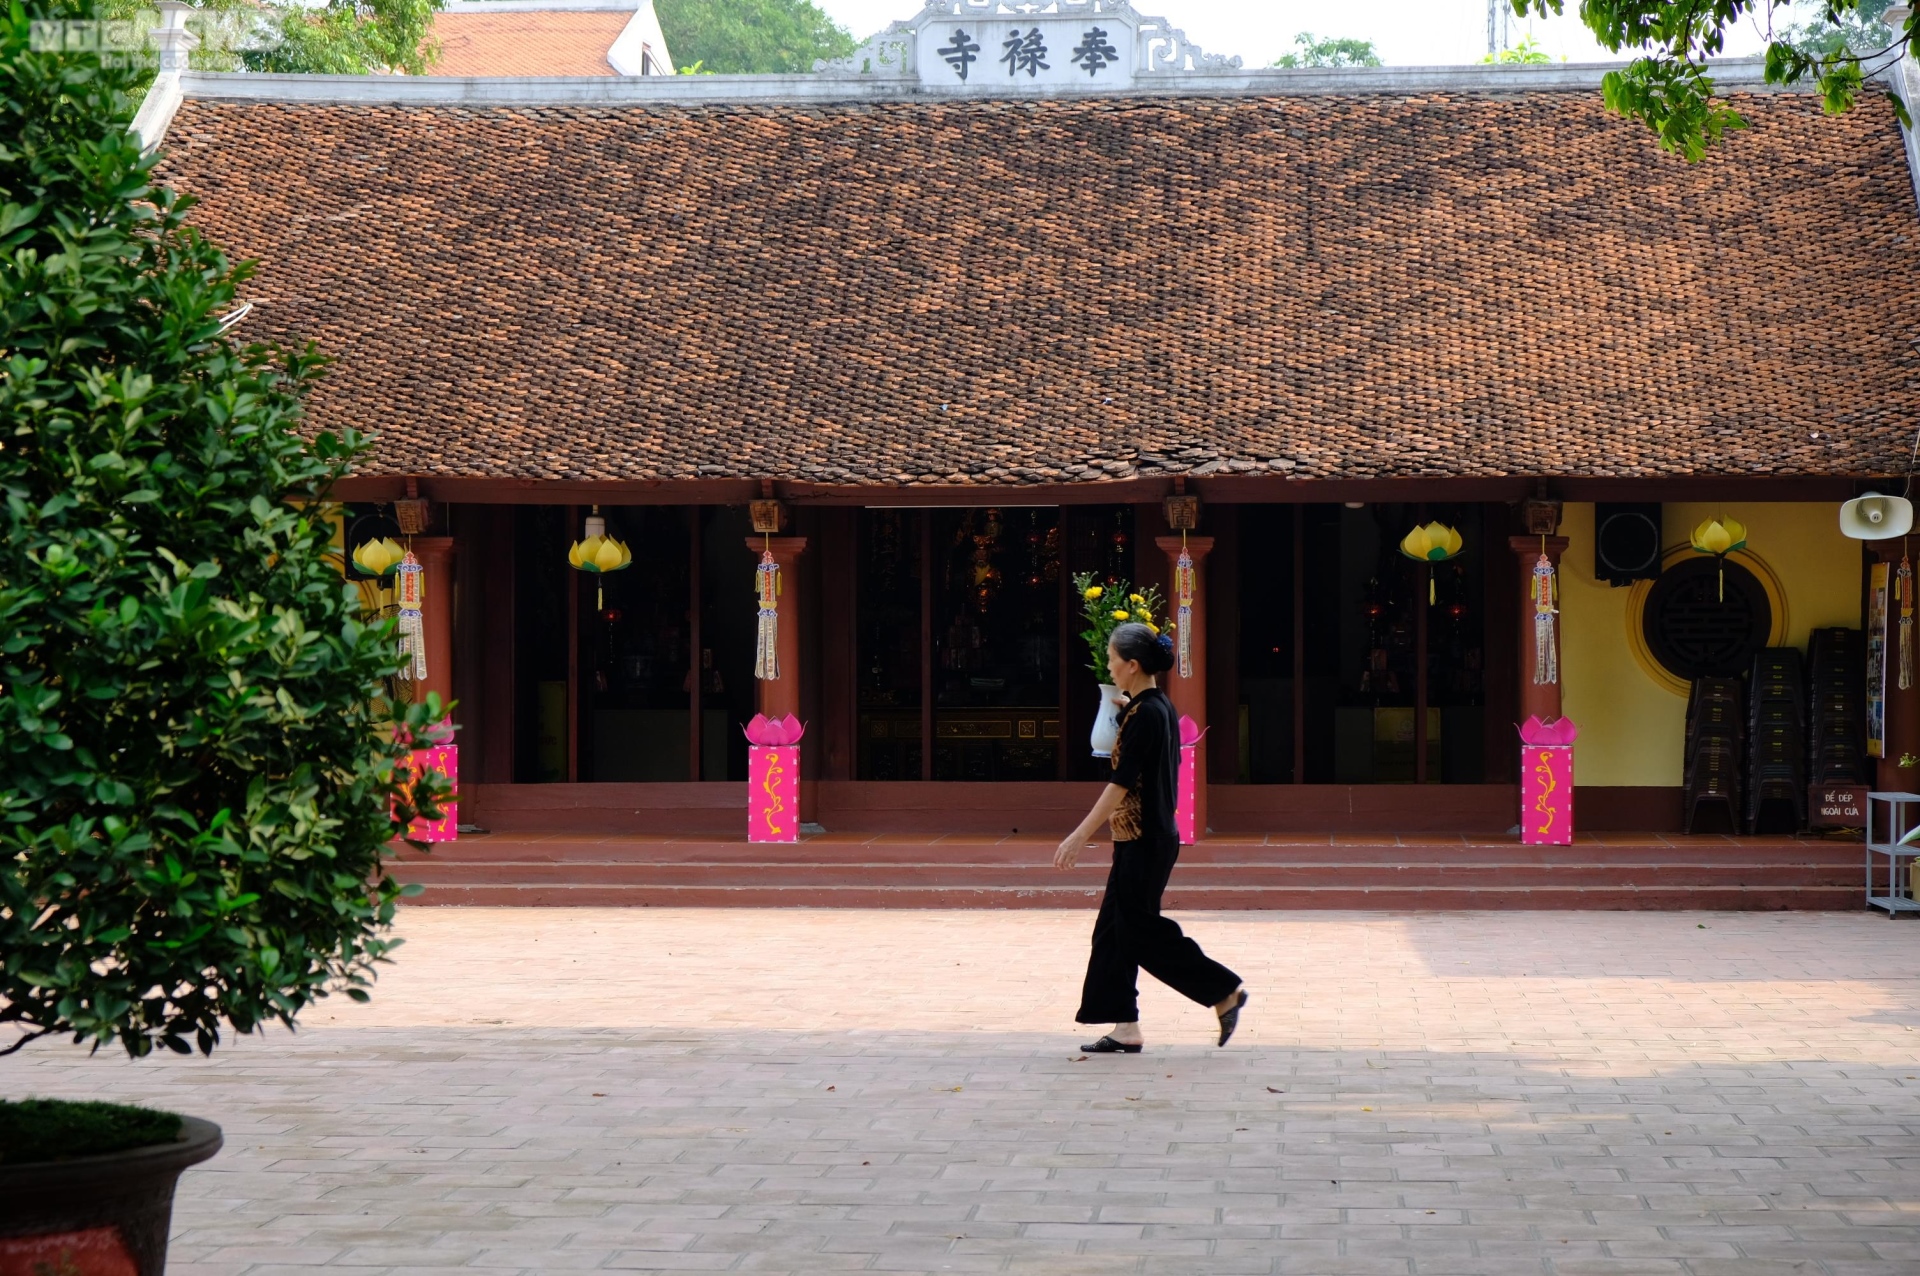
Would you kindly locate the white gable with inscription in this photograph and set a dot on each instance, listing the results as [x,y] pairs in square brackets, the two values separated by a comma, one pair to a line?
[1002,46]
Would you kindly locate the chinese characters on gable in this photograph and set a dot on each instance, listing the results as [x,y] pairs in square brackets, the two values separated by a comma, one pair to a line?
[1027,53]
[960,54]
[1094,52]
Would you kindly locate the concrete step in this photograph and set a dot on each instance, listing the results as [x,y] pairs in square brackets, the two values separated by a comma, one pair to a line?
[521,849]
[1046,877]
[1427,872]
[1389,898]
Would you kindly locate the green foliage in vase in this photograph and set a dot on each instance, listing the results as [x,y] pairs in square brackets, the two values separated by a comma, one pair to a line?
[1108,603]
[1310,50]
[1668,86]
[751,37]
[197,786]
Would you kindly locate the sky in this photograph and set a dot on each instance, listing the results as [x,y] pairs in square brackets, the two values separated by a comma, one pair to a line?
[1404,32]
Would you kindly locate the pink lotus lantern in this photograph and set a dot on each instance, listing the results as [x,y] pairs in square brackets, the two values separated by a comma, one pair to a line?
[1546,781]
[773,778]
[1183,820]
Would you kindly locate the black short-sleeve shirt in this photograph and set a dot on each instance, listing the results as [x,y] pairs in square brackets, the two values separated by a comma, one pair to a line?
[1146,762]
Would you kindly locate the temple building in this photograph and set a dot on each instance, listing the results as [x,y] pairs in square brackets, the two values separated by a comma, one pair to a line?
[1024,291]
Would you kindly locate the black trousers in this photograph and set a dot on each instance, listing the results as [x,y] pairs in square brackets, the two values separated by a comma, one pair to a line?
[1130,935]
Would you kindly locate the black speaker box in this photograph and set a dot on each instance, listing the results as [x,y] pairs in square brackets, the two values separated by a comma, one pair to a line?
[1626,541]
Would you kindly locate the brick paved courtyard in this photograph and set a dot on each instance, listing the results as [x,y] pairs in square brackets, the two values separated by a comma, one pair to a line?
[554,1090]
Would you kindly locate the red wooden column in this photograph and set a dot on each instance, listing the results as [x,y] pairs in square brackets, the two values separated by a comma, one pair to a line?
[1903,707]
[1189,694]
[781,696]
[1541,700]
[436,561]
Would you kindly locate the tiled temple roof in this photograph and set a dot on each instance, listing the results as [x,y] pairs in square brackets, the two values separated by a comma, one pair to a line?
[1052,291]
[527,43]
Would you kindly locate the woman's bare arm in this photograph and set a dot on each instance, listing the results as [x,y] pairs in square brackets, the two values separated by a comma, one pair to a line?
[1069,848]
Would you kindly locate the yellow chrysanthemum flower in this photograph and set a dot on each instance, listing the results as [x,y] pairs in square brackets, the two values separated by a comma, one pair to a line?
[1135,598]
[1121,615]
[1094,592]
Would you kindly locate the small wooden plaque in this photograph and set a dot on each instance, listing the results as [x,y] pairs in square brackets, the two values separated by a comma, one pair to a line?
[769,517]
[1183,513]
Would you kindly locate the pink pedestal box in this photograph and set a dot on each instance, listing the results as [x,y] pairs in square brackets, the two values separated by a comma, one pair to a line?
[773,778]
[1183,821]
[444,758]
[1546,782]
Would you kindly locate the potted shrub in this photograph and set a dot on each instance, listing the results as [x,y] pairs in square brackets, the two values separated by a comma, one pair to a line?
[197,780]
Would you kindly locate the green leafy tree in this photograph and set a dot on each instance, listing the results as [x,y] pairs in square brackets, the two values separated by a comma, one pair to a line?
[1311,51]
[751,37]
[339,37]
[1525,53]
[1668,87]
[197,784]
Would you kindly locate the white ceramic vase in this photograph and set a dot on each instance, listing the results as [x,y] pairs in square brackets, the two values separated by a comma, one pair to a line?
[1106,723]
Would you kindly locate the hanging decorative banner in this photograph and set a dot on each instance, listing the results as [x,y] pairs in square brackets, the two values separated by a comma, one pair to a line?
[1903,587]
[1878,587]
[1183,803]
[1546,782]
[773,778]
[409,591]
[1546,647]
[1183,590]
[766,652]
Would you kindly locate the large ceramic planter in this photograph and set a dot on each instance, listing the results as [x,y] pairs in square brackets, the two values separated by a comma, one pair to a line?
[97,1215]
[1106,723]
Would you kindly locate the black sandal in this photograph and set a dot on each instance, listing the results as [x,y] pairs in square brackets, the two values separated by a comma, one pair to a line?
[1107,1045]
[1230,1018]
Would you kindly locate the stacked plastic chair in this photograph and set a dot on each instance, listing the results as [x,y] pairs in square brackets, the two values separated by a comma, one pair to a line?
[1776,743]
[1837,708]
[1714,734]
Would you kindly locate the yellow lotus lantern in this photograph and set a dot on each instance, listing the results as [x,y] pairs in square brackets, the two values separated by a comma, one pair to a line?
[380,557]
[1720,537]
[599,552]
[1434,543]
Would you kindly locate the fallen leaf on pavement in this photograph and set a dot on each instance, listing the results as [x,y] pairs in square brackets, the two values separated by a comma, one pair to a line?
[1271,1090]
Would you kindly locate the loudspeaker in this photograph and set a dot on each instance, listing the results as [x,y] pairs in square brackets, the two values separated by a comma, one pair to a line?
[1874,517]
[1626,542]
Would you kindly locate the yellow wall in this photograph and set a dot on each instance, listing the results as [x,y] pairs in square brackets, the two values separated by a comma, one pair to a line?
[1632,729]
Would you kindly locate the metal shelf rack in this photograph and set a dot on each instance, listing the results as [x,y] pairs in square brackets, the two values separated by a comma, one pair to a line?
[1898,814]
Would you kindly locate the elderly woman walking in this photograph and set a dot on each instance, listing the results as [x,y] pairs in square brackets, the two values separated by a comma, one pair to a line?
[1130,934]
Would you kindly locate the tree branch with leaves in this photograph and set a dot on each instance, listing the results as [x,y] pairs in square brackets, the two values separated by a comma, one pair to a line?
[1669,85]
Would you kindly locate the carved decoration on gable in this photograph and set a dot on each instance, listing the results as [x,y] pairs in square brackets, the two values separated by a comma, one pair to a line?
[1169,52]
